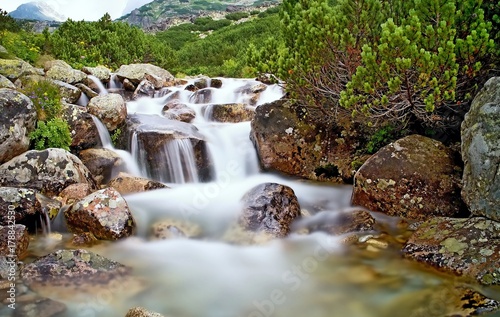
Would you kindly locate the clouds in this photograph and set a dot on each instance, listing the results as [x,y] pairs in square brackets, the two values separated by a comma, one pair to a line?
[89,10]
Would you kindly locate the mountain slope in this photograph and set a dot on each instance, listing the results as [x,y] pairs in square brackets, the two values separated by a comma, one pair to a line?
[160,10]
[37,11]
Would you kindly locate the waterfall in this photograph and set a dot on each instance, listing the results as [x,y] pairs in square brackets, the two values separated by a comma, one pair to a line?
[180,159]
[130,163]
[98,83]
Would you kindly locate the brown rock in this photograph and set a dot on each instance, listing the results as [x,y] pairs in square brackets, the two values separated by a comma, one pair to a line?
[233,112]
[74,192]
[414,178]
[176,110]
[84,133]
[37,306]
[142,312]
[103,164]
[128,184]
[104,213]
[13,247]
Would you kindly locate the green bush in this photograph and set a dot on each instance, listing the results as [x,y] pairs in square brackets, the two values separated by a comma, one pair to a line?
[54,133]
[46,98]
[235,16]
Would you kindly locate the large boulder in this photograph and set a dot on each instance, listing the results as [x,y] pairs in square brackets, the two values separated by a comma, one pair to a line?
[100,72]
[481,152]
[415,178]
[169,150]
[136,73]
[16,68]
[289,142]
[271,208]
[110,109]
[49,171]
[466,247]
[103,213]
[60,70]
[84,132]
[69,93]
[16,123]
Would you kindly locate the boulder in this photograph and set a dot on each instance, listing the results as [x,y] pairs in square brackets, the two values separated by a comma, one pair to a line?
[48,171]
[158,139]
[415,178]
[467,247]
[175,110]
[100,72]
[231,112]
[271,208]
[60,70]
[201,96]
[103,164]
[69,93]
[481,152]
[129,184]
[287,141]
[84,133]
[14,248]
[110,109]
[74,193]
[103,213]
[6,83]
[89,92]
[74,267]
[16,68]
[135,73]
[16,123]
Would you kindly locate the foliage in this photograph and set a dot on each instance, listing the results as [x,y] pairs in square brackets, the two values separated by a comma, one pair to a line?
[380,138]
[106,43]
[235,16]
[54,133]
[116,135]
[384,62]
[8,23]
[52,130]
[22,44]
[46,98]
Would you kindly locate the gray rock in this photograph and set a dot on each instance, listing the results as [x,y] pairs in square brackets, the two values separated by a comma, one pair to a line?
[16,123]
[100,72]
[110,109]
[176,110]
[16,68]
[6,83]
[467,247]
[59,70]
[103,213]
[84,133]
[49,171]
[69,93]
[103,164]
[481,152]
[271,208]
[137,72]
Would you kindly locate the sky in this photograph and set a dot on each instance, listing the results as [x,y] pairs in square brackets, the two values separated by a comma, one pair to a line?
[90,10]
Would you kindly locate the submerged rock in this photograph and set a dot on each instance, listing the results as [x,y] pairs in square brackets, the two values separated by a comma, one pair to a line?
[338,223]
[466,247]
[271,208]
[36,306]
[141,312]
[16,123]
[414,178]
[74,267]
[104,213]
[174,228]
[48,171]
[481,152]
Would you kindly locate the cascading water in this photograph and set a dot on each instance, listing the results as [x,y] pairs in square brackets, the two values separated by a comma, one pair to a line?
[303,274]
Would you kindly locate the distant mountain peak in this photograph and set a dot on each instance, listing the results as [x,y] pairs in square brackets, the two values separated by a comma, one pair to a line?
[39,10]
